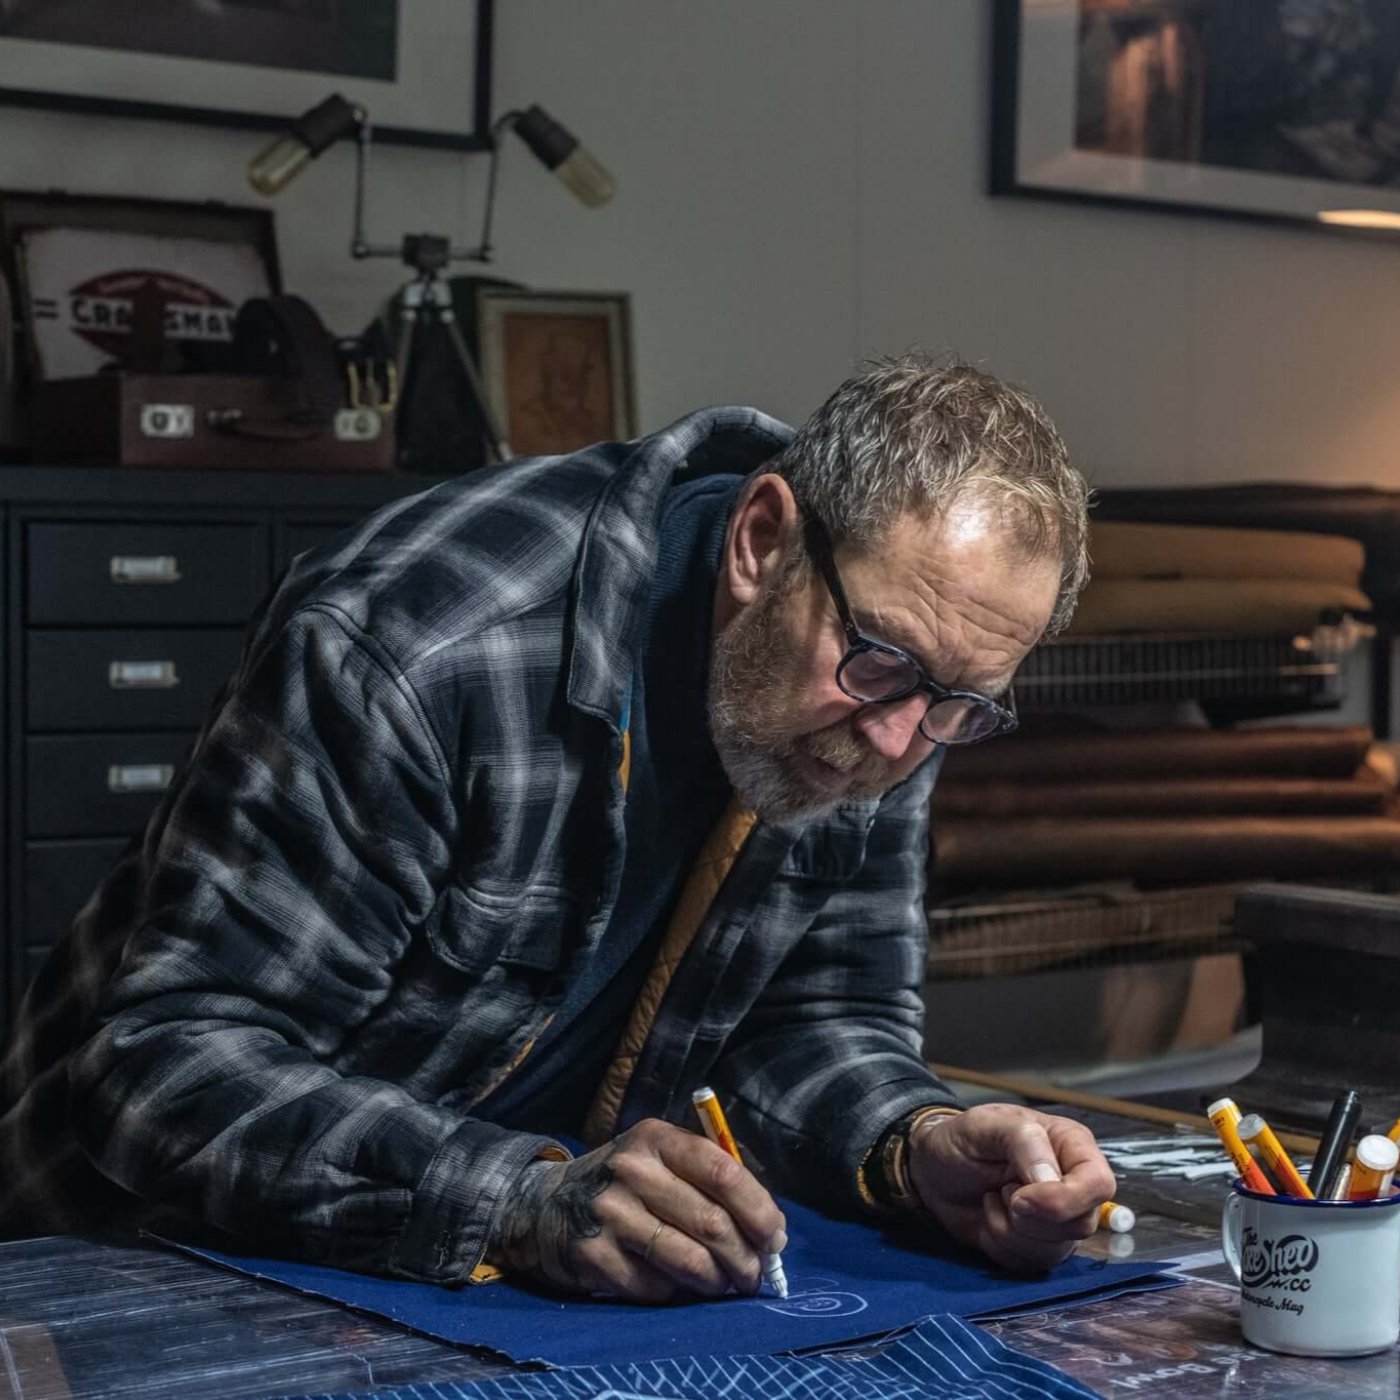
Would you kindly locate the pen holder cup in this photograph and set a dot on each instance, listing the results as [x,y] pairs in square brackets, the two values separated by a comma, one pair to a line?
[1317,1278]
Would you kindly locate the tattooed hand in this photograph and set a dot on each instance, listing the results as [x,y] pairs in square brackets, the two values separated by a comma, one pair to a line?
[655,1212]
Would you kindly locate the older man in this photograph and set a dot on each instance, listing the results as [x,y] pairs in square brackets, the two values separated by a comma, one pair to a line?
[544,798]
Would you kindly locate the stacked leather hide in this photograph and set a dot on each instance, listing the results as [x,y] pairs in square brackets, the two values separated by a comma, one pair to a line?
[1164,807]
[1193,580]
[1069,840]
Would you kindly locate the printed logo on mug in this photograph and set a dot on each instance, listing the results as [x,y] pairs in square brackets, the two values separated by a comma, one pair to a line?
[1317,1278]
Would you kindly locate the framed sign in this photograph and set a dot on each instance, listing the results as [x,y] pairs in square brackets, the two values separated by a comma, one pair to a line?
[1270,109]
[103,281]
[421,68]
[557,367]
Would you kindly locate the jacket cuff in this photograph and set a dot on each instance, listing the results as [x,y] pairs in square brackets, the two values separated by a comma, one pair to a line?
[457,1199]
[871,1121]
[883,1176]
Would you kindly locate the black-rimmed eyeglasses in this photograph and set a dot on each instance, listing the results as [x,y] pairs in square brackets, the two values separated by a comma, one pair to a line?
[877,673]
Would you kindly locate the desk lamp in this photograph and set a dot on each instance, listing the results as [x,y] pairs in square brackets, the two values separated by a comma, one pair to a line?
[425,295]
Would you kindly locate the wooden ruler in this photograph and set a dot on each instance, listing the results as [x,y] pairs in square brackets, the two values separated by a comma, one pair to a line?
[1045,1092]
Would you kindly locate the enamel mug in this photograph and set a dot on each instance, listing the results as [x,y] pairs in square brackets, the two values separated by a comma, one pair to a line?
[1317,1278]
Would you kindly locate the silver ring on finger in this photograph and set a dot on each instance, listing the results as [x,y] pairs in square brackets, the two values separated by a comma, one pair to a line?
[651,1243]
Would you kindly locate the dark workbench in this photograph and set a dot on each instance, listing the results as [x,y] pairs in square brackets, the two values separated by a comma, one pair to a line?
[83,1318]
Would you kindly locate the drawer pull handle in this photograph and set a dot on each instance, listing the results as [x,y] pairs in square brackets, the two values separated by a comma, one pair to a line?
[139,777]
[144,568]
[142,675]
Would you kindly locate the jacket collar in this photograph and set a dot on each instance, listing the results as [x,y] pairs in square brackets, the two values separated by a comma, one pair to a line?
[613,577]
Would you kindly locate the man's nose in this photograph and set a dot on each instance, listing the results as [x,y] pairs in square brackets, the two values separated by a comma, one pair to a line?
[889,729]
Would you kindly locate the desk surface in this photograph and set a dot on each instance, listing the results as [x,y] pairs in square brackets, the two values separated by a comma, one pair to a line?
[83,1319]
[1184,1342]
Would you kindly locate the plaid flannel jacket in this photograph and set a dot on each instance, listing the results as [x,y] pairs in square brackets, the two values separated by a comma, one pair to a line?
[389,850]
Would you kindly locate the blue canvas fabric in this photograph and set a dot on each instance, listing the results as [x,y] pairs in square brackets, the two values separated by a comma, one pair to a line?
[847,1280]
[944,1358]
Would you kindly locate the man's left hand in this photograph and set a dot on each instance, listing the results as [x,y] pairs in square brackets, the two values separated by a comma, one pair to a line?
[1020,1185]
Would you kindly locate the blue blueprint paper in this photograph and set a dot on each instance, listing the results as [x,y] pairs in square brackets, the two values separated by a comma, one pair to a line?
[847,1280]
[945,1358]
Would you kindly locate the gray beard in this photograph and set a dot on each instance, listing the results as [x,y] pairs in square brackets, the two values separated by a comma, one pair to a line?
[764,783]
[744,709]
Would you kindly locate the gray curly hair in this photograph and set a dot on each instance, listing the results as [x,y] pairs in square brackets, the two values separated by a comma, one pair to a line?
[914,433]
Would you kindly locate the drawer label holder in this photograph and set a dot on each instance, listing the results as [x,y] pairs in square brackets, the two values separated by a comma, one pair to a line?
[142,675]
[144,568]
[140,777]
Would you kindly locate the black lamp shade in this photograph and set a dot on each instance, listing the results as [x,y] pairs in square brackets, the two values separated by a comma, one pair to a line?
[551,143]
[326,123]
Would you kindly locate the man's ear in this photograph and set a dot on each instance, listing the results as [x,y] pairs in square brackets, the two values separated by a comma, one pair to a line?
[763,529]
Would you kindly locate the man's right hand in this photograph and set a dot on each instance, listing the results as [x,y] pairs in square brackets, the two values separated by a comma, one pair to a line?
[655,1212]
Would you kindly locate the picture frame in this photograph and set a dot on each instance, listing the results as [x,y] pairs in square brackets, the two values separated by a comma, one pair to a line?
[429,86]
[1143,104]
[557,367]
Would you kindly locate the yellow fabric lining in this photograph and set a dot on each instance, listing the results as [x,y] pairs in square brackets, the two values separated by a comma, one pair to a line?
[713,864]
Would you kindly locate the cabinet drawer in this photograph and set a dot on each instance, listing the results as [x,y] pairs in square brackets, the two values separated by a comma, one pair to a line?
[97,785]
[58,878]
[125,679]
[95,572]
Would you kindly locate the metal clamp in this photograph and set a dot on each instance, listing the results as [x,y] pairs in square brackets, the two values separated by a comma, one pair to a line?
[167,420]
[357,425]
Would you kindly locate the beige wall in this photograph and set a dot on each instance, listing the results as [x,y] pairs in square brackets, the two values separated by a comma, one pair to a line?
[802,182]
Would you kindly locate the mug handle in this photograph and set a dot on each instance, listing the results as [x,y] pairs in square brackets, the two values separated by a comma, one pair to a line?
[1230,1231]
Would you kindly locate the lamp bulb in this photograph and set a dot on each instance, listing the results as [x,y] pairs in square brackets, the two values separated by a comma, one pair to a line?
[586,177]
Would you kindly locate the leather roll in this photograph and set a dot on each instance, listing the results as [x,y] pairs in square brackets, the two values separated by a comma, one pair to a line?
[1195,605]
[1368,514]
[1365,795]
[1117,755]
[1137,550]
[1161,851]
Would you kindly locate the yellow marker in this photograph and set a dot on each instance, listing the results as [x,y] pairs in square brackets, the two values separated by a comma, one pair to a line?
[1119,1219]
[717,1130]
[1394,1133]
[1225,1117]
[1374,1168]
[1256,1131]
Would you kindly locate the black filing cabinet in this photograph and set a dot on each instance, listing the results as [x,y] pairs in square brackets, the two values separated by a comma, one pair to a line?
[126,599]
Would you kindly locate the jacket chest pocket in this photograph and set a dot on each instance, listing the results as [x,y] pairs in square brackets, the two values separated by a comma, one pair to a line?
[478,985]
[529,929]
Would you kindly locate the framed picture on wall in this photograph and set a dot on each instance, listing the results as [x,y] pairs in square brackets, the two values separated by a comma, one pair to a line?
[557,367]
[421,68]
[1271,109]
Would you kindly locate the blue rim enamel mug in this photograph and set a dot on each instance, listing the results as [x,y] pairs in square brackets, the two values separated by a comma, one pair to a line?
[1317,1278]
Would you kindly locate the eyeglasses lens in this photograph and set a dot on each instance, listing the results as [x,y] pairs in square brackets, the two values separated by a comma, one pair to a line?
[877,675]
[959,721]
